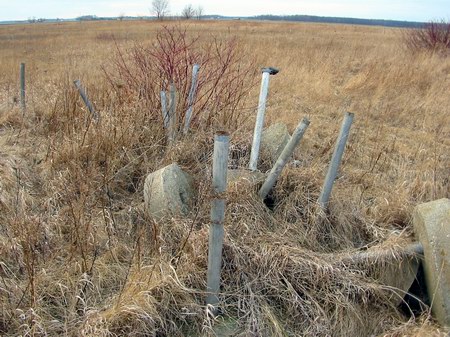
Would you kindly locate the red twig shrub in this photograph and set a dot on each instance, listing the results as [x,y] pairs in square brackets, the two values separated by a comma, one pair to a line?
[225,78]
[433,36]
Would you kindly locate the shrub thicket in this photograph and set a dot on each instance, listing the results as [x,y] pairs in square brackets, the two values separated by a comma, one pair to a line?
[226,76]
[433,36]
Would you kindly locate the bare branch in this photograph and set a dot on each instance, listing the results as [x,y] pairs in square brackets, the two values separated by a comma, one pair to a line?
[160,8]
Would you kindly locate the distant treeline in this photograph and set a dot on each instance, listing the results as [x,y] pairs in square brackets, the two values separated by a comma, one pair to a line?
[352,21]
[297,18]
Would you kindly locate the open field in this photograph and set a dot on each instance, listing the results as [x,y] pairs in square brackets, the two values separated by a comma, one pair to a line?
[80,257]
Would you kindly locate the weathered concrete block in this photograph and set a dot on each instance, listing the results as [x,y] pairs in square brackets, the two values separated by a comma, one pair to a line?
[274,139]
[399,275]
[168,192]
[432,226]
[244,175]
[227,328]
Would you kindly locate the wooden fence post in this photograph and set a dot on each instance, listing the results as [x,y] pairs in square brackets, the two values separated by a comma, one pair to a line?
[335,160]
[216,231]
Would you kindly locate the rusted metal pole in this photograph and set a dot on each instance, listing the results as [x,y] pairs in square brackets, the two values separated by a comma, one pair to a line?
[216,231]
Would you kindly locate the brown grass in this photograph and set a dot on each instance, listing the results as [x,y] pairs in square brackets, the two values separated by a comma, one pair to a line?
[80,257]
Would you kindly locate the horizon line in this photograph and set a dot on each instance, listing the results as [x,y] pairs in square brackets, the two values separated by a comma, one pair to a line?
[96,17]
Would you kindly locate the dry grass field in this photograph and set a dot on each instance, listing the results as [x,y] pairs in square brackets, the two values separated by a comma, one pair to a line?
[79,256]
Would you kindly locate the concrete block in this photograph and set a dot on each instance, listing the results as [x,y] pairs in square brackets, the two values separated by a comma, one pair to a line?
[432,227]
[396,273]
[223,327]
[168,192]
[399,275]
[238,176]
[226,327]
[274,139]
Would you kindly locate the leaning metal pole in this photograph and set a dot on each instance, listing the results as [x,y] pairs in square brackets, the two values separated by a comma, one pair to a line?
[283,158]
[266,72]
[335,160]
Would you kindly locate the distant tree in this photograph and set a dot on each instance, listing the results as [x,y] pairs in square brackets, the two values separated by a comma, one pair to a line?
[121,16]
[160,8]
[199,12]
[188,12]
[32,19]
[87,18]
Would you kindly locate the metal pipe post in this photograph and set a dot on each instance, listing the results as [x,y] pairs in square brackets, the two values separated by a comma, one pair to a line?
[86,101]
[266,72]
[22,87]
[191,98]
[164,109]
[216,231]
[283,158]
[414,249]
[336,160]
[172,114]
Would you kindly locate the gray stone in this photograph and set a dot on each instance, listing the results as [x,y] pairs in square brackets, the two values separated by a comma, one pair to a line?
[235,176]
[399,275]
[226,327]
[274,139]
[223,327]
[432,227]
[168,192]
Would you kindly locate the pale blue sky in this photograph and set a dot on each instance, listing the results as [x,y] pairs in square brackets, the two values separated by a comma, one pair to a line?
[413,10]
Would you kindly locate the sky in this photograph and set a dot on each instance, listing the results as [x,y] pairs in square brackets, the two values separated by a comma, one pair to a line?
[412,10]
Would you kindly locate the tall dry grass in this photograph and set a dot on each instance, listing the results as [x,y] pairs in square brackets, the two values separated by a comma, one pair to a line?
[79,255]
